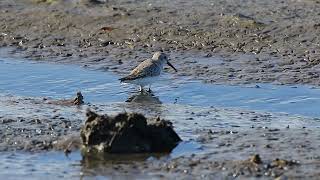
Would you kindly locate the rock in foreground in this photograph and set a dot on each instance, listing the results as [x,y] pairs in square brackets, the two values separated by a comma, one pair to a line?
[127,133]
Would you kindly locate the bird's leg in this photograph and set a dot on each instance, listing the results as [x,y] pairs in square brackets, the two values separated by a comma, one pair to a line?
[141,89]
[149,91]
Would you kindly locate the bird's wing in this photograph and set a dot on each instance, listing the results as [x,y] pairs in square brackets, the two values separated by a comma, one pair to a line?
[142,70]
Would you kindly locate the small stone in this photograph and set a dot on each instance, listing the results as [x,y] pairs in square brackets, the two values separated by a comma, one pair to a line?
[209,55]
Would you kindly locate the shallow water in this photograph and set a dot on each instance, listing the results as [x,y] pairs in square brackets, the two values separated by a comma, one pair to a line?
[62,81]
[39,165]
[55,165]
[23,78]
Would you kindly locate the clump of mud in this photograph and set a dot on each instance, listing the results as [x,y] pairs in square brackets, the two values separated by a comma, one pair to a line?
[78,100]
[127,133]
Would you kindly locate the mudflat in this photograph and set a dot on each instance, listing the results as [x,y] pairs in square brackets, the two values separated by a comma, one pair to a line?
[224,42]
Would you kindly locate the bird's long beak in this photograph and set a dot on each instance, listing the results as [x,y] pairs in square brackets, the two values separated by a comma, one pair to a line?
[172,66]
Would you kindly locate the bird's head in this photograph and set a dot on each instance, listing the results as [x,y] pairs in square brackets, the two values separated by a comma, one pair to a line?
[160,56]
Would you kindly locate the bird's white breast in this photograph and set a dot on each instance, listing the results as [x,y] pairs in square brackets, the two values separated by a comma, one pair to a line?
[144,81]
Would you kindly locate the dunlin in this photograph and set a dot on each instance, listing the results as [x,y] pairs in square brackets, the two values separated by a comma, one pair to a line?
[148,71]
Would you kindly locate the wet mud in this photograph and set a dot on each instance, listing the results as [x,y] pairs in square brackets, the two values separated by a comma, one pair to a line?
[215,41]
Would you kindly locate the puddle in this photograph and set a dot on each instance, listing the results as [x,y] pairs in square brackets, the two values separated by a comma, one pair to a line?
[62,81]
[186,148]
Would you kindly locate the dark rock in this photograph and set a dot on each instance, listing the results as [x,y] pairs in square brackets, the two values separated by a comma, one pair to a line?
[256,159]
[127,133]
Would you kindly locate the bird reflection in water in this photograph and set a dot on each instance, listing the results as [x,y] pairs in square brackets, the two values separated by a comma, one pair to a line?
[144,98]
[145,103]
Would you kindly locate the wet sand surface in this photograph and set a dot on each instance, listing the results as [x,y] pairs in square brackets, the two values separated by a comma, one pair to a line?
[221,42]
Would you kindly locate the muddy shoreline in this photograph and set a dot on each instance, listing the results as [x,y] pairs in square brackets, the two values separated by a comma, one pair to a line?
[247,42]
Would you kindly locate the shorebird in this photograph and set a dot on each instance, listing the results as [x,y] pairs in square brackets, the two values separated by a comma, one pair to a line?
[148,71]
